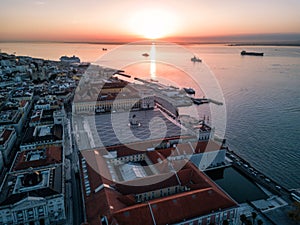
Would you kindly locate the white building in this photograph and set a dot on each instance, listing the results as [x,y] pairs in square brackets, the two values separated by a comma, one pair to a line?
[59,116]
[47,103]
[12,118]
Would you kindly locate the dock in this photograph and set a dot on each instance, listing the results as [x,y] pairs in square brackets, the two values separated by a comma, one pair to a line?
[199,101]
[170,93]
[121,73]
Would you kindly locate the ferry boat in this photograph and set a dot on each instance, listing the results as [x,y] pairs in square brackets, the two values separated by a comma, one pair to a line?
[252,53]
[195,59]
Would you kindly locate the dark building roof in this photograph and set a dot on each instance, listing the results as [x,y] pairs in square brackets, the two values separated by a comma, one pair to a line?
[31,136]
[4,135]
[52,186]
[115,83]
[43,157]
[42,116]
[10,117]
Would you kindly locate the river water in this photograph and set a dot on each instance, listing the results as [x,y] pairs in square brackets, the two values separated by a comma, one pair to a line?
[261,96]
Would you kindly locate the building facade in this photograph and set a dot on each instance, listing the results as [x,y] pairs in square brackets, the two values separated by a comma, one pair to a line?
[8,138]
[32,192]
[1,162]
[34,211]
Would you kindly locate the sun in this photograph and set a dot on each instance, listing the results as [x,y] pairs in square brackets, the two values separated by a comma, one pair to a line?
[152,24]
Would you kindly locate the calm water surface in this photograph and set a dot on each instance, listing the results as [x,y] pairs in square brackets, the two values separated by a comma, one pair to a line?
[237,185]
[262,97]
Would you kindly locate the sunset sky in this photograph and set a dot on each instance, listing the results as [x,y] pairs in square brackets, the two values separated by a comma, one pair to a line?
[96,20]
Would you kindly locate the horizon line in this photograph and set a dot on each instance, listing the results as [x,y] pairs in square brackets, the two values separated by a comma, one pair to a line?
[274,38]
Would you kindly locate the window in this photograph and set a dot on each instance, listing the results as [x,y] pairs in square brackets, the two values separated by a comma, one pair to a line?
[217,218]
[19,214]
[41,211]
[30,214]
[232,214]
[208,220]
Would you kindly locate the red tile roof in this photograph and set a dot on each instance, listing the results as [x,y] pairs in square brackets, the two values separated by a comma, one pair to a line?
[97,165]
[140,147]
[23,103]
[206,146]
[116,200]
[147,184]
[175,208]
[53,155]
[4,136]
[35,118]
[186,148]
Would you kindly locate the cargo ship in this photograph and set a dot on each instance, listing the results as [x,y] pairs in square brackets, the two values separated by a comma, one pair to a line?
[252,53]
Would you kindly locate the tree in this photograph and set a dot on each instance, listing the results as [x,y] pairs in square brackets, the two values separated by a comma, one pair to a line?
[243,218]
[260,222]
[254,215]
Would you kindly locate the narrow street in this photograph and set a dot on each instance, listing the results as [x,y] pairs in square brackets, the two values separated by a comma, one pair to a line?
[73,185]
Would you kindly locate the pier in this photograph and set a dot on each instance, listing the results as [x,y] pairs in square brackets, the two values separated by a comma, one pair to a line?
[199,101]
[121,73]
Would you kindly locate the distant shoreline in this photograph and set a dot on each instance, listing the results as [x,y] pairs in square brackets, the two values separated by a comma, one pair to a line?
[226,43]
[266,44]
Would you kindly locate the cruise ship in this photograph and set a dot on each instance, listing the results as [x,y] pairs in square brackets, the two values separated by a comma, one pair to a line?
[73,59]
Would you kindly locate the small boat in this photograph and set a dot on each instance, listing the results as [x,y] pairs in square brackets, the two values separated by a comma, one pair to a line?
[104,49]
[145,54]
[252,53]
[190,91]
[199,101]
[195,59]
